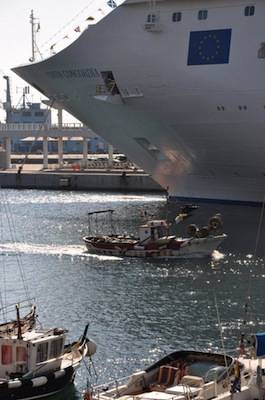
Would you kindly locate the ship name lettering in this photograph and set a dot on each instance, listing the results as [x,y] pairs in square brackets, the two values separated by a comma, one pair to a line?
[90,73]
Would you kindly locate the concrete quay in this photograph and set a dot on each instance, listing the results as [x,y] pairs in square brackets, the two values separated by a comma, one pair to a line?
[32,178]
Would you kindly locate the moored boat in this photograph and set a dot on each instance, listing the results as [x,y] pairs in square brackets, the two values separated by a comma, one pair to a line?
[189,374]
[36,362]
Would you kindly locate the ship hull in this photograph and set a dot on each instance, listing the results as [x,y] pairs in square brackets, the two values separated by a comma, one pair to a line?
[27,391]
[198,130]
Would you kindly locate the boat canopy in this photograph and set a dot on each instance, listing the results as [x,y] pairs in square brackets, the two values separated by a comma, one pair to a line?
[260,344]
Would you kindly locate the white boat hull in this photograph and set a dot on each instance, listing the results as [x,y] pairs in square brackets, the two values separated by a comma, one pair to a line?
[192,248]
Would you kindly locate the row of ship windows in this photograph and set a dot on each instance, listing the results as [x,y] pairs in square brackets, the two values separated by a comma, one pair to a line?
[20,353]
[249,11]
[241,108]
[28,114]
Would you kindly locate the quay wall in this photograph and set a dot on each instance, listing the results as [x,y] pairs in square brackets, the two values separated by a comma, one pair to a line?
[115,182]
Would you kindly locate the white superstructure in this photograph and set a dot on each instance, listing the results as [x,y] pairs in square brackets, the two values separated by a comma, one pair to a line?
[178,86]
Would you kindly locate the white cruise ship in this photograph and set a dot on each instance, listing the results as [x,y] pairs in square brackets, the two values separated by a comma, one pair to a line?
[178,86]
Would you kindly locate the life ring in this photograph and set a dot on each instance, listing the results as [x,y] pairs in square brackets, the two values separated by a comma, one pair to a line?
[215,222]
[192,230]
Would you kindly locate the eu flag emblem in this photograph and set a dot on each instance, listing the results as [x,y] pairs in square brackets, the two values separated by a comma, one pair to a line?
[209,47]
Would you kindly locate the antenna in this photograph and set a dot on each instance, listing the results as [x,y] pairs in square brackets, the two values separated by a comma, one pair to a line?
[25,92]
[32,59]
[35,27]
[8,104]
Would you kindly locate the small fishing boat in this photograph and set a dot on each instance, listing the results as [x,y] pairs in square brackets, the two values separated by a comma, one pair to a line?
[193,375]
[155,241]
[36,362]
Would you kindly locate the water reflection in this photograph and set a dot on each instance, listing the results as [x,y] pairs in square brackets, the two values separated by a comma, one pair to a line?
[138,310]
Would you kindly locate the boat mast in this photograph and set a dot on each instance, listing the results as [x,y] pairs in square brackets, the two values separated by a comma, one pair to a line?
[19,332]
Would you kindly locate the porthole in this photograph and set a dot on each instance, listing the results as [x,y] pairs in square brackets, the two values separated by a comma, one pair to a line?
[176,16]
[202,14]
[249,11]
[151,18]
[261,51]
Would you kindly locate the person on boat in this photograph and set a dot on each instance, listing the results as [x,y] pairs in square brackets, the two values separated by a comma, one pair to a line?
[236,386]
[19,169]
[242,345]
[183,369]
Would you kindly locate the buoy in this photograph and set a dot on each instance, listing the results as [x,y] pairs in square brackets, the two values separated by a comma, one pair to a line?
[14,384]
[59,374]
[91,347]
[39,381]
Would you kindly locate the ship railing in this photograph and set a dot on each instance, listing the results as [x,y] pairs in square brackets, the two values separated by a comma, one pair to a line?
[94,164]
[102,89]
[71,125]
[39,127]
[23,127]
[112,387]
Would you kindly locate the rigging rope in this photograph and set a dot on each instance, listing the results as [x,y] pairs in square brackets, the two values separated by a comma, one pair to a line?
[11,226]
[51,39]
[221,336]
[259,227]
[96,14]
[247,314]
[3,301]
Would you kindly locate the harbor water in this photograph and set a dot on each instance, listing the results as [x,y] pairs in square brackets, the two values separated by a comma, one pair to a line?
[138,309]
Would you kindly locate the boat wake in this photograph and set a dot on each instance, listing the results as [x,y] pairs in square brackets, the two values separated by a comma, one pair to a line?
[68,251]
[50,250]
